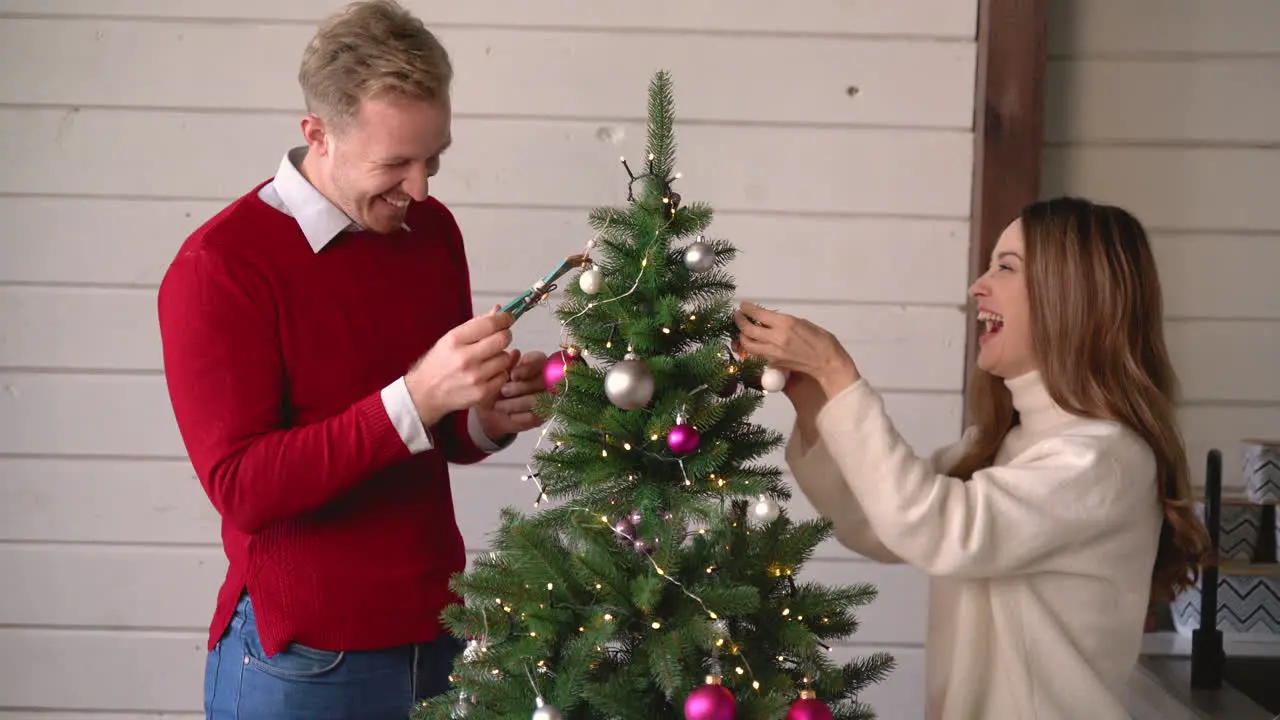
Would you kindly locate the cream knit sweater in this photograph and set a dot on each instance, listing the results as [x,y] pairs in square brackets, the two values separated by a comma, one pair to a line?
[1039,567]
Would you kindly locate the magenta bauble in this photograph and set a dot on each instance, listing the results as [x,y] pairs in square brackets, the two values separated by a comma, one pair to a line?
[556,367]
[710,702]
[807,708]
[683,439]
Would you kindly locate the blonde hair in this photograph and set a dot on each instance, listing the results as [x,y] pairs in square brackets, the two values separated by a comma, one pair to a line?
[371,49]
[1097,329]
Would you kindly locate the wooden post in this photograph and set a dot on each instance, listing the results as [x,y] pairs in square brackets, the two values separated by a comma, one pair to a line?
[1008,128]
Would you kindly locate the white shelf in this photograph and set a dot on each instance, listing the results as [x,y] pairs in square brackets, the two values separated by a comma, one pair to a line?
[1172,644]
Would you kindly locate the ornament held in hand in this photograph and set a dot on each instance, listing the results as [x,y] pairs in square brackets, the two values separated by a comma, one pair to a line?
[809,707]
[591,280]
[557,366]
[629,383]
[683,438]
[774,379]
[699,256]
[712,701]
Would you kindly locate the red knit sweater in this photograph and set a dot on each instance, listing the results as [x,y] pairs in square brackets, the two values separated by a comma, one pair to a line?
[275,356]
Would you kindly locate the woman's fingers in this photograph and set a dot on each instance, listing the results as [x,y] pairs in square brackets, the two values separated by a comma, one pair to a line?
[767,318]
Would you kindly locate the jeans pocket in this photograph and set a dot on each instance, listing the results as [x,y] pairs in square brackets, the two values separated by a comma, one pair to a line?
[212,666]
[296,662]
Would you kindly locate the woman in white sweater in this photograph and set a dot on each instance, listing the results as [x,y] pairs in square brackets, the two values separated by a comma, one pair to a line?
[1061,514]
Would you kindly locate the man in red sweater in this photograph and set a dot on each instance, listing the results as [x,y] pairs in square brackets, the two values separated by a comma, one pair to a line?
[325,366]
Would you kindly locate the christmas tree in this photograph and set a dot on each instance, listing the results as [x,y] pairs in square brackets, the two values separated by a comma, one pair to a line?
[656,576]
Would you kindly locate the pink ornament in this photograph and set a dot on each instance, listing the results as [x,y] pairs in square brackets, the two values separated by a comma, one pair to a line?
[683,439]
[809,707]
[712,701]
[556,367]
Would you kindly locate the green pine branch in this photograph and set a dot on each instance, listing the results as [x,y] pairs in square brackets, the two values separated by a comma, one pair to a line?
[567,606]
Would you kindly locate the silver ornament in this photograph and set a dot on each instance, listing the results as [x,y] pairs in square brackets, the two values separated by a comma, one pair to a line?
[765,510]
[473,651]
[463,707]
[699,257]
[546,712]
[629,384]
[773,379]
[625,531]
[591,280]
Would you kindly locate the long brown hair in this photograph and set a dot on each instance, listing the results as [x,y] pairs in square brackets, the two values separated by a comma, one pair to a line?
[1097,330]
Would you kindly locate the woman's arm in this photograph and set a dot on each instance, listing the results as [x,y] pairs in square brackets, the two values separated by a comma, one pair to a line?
[820,478]
[1063,493]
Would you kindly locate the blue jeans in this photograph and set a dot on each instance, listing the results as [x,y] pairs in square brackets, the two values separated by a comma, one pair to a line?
[242,683]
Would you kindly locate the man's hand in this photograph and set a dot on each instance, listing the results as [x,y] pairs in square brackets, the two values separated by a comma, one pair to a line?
[467,367]
[513,412]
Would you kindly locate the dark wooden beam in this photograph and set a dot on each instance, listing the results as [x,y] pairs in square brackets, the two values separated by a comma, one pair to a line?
[1008,127]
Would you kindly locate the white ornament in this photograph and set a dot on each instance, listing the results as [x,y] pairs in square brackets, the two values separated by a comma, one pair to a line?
[591,280]
[774,379]
[629,384]
[765,510]
[463,707]
[546,712]
[699,256]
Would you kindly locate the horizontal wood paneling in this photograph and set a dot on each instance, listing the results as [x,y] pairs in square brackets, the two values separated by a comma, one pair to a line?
[1226,361]
[42,714]
[1144,27]
[832,259]
[116,329]
[116,588]
[1171,110]
[136,124]
[161,502]
[76,328]
[1218,276]
[46,401]
[120,671]
[1184,102]
[955,19]
[163,671]
[1171,187]
[554,73]
[1222,428]
[112,501]
[500,161]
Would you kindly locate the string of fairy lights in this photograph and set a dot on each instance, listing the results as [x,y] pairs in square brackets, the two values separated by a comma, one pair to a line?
[541,291]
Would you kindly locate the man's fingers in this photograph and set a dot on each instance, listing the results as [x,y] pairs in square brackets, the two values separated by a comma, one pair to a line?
[537,356]
[491,345]
[495,366]
[514,405]
[529,367]
[483,326]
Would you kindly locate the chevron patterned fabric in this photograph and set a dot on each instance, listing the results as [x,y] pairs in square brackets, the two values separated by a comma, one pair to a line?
[1261,470]
[1238,529]
[1246,604]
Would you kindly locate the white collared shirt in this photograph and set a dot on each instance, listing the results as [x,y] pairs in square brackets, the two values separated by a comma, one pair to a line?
[322,221]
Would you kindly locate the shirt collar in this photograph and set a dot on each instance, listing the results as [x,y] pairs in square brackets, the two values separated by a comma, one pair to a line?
[320,220]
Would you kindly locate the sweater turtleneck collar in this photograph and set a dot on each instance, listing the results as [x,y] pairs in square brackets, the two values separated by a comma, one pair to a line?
[1036,409]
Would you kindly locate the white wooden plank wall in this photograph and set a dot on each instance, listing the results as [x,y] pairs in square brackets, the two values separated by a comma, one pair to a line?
[1172,109]
[834,139]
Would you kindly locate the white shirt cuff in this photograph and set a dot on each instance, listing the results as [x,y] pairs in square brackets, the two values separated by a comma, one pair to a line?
[404,416]
[479,437]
